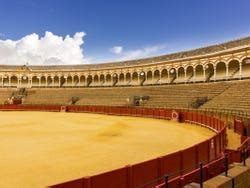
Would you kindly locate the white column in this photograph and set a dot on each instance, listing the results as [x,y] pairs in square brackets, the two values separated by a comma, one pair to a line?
[185,73]
[46,81]
[30,80]
[160,76]
[66,81]
[214,73]
[204,74]
[194,75]
[78,83]
[2,81]
[240,70]
[39,80]
[226,71]
[168,76]
[53,81]
[59,81]
[9,81]
[20,82]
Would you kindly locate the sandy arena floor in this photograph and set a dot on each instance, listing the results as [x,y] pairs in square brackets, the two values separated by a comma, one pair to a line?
[38,149]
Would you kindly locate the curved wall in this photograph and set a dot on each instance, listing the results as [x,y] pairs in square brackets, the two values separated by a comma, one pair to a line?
[219,62]
[181,165]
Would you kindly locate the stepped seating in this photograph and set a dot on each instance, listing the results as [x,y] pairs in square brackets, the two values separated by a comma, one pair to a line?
[236,97]
[177,96]
[233,95]
[5,94]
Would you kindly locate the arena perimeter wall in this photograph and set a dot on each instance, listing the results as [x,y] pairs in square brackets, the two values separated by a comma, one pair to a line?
[181,166]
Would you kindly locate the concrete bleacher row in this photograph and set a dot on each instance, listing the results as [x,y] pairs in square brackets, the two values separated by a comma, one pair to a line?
[177,96]
[236,97]
[233,95]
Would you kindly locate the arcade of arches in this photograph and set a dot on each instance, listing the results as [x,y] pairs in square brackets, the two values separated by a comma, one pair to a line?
[143,75]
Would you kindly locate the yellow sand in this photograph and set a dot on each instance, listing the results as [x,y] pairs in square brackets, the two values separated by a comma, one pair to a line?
[38,149]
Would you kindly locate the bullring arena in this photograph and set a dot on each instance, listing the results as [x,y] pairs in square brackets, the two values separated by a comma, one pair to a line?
[165,121]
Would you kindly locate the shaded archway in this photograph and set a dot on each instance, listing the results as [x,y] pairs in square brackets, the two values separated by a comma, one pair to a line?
[220,71]
[49,81]
[246,67]
[233,69]
[142,78]
[108,80]
[181,75]
[156,77]
[128,78]
[209,72]
[135,78]
[199,74]
[172,75]
[149,78]
[89,80]
[35,81]
[96,81]
[82,80]
[75,80]
[121,79]
[164,76]
[189,73]
[102,79]
[56,81]
[24,81]
[115,79]
[43,81]
[14,81]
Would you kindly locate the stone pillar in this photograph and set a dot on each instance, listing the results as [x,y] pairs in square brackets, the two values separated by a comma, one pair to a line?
[20,81]
[2,81]
[240,70]
[204,74]
[185,73]
[78,83]
[9,78]
[30,80]
[66,81]
[194,75]
[46,81]
[39,81]
[168,76]
[53,81]
[160,76]
[59,81]
[226,71]
[214,73]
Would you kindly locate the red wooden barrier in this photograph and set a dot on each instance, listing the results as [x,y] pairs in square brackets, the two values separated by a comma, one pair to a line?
[141,173]
[239,126]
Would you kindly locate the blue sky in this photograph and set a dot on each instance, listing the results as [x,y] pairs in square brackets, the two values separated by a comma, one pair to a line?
[139,28]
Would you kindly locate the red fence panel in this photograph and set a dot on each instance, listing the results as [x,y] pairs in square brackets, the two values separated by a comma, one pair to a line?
[145,172]
[203,152]
[171,164]
[239,126]
[189,159]
[70,184]
[112,179]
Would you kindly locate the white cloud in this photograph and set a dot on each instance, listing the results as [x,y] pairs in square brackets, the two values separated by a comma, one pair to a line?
[142,53]
[47,50]
[116,49]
